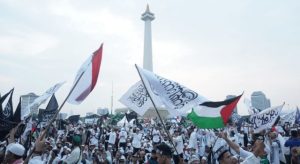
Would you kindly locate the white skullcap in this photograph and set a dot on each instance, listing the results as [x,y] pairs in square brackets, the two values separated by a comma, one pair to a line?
[123,157]
[16,149]
[193,158]
[204,158]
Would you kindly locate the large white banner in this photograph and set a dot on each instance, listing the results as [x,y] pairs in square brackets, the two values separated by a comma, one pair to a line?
[41,99]
[176,97]
[137,99]
[265,119]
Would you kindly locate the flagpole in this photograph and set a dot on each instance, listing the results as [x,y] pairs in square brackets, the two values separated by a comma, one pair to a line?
[55,115]
[168,134]
[112,97]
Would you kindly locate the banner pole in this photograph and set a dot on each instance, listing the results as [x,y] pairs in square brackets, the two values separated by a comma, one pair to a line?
[53,118]
[168,134]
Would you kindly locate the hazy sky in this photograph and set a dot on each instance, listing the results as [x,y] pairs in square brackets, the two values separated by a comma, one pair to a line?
[213,47]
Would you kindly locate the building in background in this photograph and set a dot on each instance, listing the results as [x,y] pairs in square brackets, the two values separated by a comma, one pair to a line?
[62,116]
[102,111]
[259,100]
[89,114]
[122,110]
[26,100]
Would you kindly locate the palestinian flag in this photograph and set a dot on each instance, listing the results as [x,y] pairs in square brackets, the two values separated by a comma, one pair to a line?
[209,115]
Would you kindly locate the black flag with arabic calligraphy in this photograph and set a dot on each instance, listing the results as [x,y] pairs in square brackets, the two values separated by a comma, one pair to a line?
[7,113]
[47,114]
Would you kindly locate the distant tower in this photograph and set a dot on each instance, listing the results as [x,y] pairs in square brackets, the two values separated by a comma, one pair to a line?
[147,16]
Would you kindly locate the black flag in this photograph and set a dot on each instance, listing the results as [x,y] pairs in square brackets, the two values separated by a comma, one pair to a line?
[46,115]
[17,114]
[2,99]
[130,116]
[74,118]
[7,113]
[52,105]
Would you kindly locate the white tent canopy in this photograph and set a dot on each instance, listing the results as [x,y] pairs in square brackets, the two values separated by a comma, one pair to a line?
[124,121]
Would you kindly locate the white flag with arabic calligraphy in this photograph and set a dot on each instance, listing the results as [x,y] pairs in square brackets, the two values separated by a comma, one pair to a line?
[137,99]
[265,119]
[41,99]
[176,97]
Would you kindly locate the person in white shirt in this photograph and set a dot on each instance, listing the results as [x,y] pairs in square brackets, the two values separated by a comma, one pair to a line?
[14,153]
[36,157]
[193,140]
[256,156]
[93,138]
[122,138]
[239,137]
[178,141]
[136,141]
[155,136]
[276,151]
[66,153]
[76,154]
[112,138]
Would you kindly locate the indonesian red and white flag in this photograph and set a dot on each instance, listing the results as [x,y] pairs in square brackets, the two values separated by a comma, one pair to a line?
[86,77]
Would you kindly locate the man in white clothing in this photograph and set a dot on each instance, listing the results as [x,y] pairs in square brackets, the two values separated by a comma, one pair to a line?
[122,138]
[76,154]
[193,140]
[258,154]
[112,138]
[178,141]
[155,136]
[276,151]
[136,141]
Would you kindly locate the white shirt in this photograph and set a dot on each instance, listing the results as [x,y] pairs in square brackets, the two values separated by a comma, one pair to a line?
[179,144]
[36,160]
[74,157]
[123,136]
[193,141]
[112,138]
[250,158]
[156,136]
[274,155]
[94,141]
[136,142]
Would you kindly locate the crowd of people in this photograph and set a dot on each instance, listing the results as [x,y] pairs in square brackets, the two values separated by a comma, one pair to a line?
[151,144]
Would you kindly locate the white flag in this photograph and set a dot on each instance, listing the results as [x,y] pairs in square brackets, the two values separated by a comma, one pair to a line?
[88,72]
[288,118]
[265,119]
[137,99]
[41,99]
[176,97]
